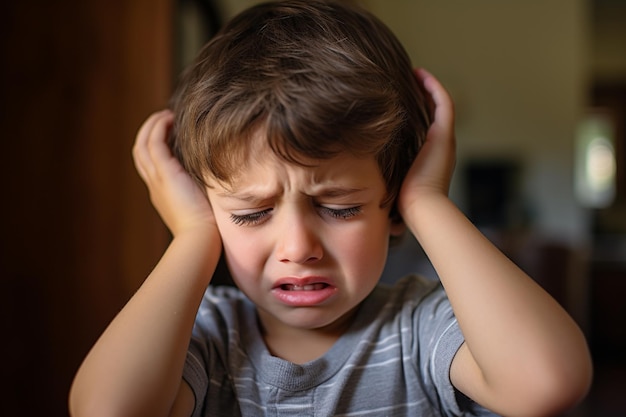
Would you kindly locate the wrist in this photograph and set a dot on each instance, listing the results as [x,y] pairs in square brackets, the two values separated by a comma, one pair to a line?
[197,249]
[429,209]
[197,225]
[202,236]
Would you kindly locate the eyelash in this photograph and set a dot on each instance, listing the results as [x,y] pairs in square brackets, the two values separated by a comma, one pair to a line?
[255,218]
[249,219]
[343,214]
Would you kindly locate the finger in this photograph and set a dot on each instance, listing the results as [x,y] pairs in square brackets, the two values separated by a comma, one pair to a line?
[444,106]
[140,152]
[152,134]
[157,145]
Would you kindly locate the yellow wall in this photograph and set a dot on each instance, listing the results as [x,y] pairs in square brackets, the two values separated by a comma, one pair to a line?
[518,72]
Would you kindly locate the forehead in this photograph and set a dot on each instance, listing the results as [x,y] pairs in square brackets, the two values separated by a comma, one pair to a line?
[260,167]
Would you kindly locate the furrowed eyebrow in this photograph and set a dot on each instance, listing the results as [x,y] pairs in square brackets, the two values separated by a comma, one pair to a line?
[336,192]
[246,197]
[330,192]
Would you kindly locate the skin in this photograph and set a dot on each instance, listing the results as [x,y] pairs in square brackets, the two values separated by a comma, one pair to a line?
[523,355]
[295,225]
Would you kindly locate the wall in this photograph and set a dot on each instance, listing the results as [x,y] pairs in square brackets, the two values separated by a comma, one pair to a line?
[518,73]
[609,40]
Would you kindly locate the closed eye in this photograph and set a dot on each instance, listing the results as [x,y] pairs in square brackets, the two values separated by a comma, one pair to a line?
[343,213]
[250,219]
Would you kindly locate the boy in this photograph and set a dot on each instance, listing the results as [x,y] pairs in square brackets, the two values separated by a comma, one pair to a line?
[298,128]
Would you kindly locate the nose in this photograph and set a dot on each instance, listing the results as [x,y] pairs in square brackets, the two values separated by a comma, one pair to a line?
[298,241]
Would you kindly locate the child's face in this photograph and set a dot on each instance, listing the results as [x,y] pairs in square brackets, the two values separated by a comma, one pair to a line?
[305,244]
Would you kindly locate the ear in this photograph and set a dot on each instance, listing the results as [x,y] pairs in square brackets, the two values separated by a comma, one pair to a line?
[397,227]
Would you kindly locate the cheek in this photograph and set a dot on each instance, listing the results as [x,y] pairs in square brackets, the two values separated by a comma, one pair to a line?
[365,248]
[245,254]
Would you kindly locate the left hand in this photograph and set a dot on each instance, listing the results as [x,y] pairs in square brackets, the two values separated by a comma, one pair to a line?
[431,172]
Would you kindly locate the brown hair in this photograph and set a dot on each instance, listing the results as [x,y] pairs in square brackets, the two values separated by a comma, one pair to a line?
[320,77]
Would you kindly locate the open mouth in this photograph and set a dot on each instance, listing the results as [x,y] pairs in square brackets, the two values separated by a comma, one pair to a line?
[308,287]
[305,291]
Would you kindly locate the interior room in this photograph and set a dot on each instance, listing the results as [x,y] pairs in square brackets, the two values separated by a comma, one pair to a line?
[540,95]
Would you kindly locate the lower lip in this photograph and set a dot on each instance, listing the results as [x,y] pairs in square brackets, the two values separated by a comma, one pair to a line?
[304,298]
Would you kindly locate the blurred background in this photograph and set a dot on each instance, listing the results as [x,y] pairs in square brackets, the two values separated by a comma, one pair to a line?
[540,90]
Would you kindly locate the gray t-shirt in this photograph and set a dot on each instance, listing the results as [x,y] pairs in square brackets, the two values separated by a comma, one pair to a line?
[393,361]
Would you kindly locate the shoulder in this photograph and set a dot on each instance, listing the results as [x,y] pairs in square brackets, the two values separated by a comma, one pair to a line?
[415,308]
[222,308]
[219,293]
[411,291]
[434,339]
[418,309]
[224,299]
[213,347]
[216,336]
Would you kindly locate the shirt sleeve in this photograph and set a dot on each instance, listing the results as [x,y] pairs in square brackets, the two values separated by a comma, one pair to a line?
[205,364]
[439,338]
[196,377]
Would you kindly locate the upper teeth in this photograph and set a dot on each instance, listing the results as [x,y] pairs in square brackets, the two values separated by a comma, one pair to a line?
[308,287]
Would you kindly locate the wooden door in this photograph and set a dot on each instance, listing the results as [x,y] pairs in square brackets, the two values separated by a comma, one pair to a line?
[78,232]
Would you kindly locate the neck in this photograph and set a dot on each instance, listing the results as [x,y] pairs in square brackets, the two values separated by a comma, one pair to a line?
[299,345]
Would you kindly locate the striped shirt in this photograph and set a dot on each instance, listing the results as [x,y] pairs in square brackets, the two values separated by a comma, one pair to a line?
[393,361]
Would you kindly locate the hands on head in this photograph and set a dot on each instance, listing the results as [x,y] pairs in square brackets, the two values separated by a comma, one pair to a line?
[180,201]
[183,206]
[431,172]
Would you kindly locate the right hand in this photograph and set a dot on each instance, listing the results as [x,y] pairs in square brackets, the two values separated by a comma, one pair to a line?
[176,196]
[431,172]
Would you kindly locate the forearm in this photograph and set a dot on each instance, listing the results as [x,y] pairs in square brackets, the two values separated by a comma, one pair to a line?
[518,336]
[135,368]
